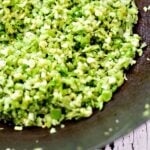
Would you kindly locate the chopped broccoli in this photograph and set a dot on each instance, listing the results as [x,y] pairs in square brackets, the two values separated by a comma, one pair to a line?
[59,59]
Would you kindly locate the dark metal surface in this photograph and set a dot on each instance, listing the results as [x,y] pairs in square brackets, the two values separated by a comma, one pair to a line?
[121,115]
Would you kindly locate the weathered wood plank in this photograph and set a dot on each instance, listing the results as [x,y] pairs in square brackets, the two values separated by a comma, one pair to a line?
[118,144]
[128,142]
[139,139]
[108,147]
[148,135]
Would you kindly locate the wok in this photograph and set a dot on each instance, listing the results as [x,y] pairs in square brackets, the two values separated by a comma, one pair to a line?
[121,115]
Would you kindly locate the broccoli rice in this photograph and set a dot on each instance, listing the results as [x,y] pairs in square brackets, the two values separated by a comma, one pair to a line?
[60,59]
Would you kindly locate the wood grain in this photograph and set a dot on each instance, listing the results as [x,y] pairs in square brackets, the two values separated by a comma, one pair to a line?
[139,139]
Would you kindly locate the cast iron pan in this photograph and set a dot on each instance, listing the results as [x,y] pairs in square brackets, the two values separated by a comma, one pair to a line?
[121,115]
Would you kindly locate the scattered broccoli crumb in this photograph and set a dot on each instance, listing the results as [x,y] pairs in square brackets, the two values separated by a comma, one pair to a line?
[52,130]
[18,128]
[62,126]
[38,148]
[36,141]
[146,8]
[148,59]
[110,129]
[146,112]
[10,148]
[106,133]
[117,121]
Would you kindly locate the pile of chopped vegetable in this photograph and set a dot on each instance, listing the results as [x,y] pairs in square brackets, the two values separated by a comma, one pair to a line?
[59,59]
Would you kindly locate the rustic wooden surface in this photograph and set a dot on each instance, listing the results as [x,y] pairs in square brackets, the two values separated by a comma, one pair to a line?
[139,139]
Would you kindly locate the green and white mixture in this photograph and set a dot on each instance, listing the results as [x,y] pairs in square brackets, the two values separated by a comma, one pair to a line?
[59,59]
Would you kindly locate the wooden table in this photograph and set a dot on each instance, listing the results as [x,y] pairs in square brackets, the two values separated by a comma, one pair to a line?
[139,139]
